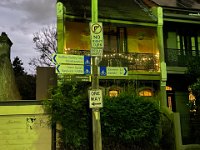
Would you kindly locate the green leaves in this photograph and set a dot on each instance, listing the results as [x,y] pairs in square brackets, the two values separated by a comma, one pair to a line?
[126,120]
[129,118]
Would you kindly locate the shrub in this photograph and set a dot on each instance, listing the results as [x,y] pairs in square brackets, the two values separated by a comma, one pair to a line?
[128,121]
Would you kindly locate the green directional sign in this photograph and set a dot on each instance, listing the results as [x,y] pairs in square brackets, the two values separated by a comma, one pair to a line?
[73,69]
[76,78]
[71,59]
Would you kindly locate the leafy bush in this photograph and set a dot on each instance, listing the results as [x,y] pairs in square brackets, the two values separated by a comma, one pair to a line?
[128,121]
[69,108]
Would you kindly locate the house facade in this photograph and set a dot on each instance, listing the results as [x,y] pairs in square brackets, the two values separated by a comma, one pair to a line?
[154,39]
[181,42]
[131,39]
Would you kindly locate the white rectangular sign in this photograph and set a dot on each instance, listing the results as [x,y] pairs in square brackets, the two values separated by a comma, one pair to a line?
[95,97]
[96,37]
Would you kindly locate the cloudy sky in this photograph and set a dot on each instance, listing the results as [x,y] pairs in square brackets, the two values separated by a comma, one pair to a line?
[20,19]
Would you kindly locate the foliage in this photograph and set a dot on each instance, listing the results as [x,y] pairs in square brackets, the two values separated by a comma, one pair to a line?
[196,89]
[193,69]
[128,121]
[69,107]
[193,72]
[26,83]
[45,44]
[167,141]
[17,66]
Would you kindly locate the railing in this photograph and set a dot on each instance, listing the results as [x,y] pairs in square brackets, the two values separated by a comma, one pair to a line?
[178,57]
[134,61]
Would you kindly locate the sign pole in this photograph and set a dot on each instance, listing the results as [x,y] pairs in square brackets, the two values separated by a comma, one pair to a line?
[96,124]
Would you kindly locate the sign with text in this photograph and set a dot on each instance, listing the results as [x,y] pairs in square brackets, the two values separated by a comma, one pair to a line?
[96,38]
[77,78]
[113,71]
[95,97]
[73,69]
[71,59]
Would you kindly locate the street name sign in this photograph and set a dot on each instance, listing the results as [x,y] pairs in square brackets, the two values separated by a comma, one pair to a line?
[113,71]
[96,38]
[71,59]
[95,97]
[73,69]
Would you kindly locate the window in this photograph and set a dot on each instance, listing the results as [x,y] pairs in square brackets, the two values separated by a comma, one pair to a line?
[188,43]
[115,40]
[113,93]
[146,92]
[168,88]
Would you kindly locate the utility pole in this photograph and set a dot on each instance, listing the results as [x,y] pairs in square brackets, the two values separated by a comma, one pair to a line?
[96,124]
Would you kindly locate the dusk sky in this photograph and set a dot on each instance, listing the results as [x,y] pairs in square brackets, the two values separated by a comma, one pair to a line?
[20,19]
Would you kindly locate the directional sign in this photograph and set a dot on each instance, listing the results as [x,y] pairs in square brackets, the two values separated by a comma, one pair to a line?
[77,78]
[97,42]
[113,71]
[71,59]
[73,69]
[95,97]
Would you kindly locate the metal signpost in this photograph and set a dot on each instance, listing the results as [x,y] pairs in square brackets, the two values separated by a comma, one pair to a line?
[96,35]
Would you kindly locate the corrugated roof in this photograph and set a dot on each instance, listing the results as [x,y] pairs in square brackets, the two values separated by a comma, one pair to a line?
[127,10]
[189,4]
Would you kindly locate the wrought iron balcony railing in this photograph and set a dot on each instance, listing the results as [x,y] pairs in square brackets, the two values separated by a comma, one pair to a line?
[178,57]
[134,61]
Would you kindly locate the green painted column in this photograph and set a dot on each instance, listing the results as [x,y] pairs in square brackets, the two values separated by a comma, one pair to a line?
[163,69]
[60,27]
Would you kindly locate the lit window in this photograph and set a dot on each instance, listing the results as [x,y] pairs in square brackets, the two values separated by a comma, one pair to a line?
[168,88]
[113,93]
[146,92]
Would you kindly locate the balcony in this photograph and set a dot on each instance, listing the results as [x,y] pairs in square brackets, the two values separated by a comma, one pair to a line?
[178,57]
[134,61]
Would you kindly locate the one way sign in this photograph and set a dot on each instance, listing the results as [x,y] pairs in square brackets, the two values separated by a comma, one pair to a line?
[95,98]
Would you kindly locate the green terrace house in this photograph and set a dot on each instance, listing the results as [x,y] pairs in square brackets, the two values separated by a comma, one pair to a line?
[130,40]
[181,42]
[149,41]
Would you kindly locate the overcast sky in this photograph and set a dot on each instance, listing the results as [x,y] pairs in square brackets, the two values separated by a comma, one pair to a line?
[20,19]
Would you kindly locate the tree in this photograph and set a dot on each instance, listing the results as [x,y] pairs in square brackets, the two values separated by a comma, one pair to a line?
[17,66]
[25,82]
[45,44]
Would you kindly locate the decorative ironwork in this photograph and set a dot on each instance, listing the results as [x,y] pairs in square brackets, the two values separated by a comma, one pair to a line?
[134,61]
